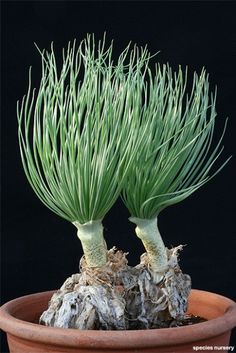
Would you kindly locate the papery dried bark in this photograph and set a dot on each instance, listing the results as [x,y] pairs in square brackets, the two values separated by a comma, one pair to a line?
[120,297]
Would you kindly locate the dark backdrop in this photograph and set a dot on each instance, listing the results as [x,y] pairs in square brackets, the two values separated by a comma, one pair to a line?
[40,250]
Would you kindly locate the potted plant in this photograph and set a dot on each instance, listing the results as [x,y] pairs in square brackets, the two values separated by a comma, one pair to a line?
[97,129]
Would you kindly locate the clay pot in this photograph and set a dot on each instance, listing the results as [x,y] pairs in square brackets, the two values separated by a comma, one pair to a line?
[19,319]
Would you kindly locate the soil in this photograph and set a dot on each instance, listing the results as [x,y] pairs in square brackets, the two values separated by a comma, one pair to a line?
[189,319]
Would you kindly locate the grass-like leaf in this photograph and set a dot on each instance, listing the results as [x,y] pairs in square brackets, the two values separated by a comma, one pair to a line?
[176,158]
[75,133]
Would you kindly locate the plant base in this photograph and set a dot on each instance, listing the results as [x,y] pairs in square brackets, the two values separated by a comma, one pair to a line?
[120,297]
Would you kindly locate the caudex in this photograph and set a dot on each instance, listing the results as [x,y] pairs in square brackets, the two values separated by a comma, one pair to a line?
[99,128]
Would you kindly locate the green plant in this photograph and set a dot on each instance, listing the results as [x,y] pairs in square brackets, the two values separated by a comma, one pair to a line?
[175,159]
[97,129]
[76,138]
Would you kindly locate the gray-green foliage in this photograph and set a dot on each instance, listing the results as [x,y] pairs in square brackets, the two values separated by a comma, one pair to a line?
[175,160]
[75,133]
[94,127]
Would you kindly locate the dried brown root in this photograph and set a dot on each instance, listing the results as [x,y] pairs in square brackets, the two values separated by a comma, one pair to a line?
[120,297]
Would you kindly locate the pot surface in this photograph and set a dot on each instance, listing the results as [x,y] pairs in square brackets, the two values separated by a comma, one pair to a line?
[19,317]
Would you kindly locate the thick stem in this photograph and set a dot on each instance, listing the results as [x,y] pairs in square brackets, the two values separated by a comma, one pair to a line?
[147,230]
[93,243]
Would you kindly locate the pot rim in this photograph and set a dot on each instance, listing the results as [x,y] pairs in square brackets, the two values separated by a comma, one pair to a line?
[127,338]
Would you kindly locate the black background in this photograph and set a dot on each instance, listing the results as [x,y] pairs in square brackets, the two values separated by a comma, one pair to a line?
[40,250]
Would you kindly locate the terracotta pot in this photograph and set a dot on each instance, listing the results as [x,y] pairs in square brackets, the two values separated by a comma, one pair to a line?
[19,319]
